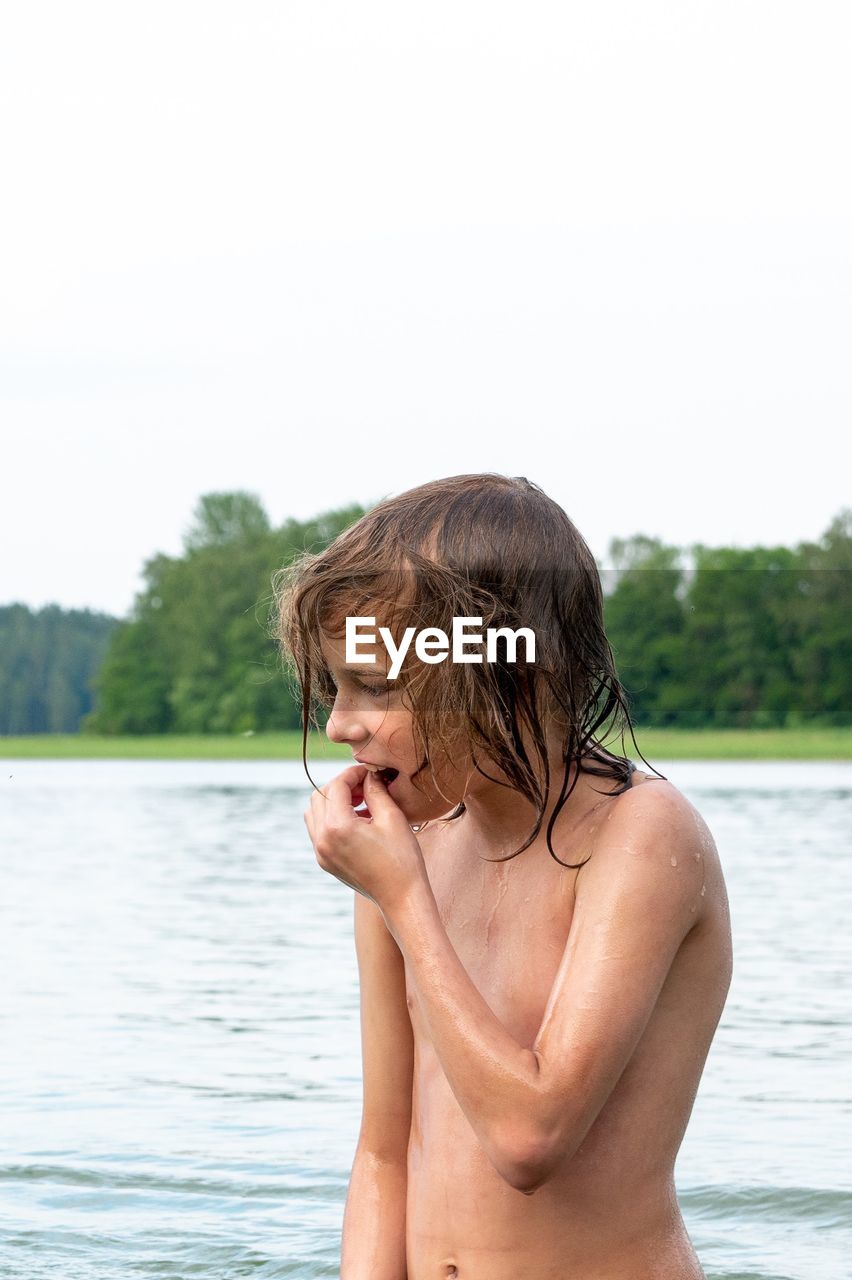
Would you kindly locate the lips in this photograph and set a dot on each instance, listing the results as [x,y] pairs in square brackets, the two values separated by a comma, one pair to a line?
[388,775]
[386,772]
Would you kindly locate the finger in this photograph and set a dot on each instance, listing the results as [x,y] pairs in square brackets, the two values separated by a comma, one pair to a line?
[351,776]
[377,797]
[341,791]
[319,804]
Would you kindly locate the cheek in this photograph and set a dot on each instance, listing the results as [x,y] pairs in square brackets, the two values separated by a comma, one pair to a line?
[450,773]
[397,733]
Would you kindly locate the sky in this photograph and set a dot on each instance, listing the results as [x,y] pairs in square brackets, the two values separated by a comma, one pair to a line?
[325,252]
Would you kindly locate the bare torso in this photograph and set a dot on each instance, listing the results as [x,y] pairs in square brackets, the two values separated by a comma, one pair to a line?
[611,1213]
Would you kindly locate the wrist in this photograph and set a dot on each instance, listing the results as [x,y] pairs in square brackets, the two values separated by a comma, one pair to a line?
[407,908]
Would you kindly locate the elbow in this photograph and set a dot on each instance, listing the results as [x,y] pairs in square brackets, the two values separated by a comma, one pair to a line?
[529,1163]
[525,1181]
[528,1175]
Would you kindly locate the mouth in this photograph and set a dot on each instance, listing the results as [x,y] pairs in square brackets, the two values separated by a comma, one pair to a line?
[387,775]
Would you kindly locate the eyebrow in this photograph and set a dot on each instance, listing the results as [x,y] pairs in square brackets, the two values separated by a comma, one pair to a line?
[361,671]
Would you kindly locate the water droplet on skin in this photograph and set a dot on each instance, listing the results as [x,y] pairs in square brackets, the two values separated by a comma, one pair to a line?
[703,887]
[674,861]
[697,856]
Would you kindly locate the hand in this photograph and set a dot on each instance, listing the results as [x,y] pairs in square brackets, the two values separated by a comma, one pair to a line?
[377,853]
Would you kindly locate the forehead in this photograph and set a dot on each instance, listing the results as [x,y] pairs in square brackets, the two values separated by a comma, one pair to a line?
[334,651]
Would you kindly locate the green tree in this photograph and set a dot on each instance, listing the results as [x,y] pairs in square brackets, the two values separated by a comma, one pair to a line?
[223,519]
[737,656]
[748,637]
[706,636]
[196,655]
[48,661]
[644,620]
[820,618]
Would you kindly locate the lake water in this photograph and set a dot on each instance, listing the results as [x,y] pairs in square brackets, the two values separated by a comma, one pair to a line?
[180,1066]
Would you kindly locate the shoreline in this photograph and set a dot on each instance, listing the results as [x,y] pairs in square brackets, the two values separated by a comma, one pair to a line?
[824,743]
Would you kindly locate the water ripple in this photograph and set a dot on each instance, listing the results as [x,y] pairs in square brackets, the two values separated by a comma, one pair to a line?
[181,1068]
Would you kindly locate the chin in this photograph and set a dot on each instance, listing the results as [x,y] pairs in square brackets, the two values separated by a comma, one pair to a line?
[428,810]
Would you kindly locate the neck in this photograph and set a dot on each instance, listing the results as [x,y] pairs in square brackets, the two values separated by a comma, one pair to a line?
[501,818]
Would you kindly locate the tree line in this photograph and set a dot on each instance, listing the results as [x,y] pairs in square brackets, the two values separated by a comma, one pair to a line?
[49,659]
[756,637]
[196,654]
[703,636]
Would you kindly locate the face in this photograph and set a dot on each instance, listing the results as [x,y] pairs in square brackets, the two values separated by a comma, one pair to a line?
[373,718]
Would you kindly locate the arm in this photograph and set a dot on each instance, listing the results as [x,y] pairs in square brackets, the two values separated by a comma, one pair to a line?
[373,1241]
[532,1106]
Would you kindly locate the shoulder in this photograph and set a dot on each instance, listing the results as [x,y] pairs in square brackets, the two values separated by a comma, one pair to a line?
[651,843]
[655,815]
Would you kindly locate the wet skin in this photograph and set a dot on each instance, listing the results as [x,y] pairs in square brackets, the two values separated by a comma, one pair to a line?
[529,937]
[610,1211]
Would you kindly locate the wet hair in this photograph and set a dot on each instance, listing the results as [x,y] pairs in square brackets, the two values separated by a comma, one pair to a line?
[482,545]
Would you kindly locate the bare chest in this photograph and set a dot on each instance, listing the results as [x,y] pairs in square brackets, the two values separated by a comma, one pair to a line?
[507,922]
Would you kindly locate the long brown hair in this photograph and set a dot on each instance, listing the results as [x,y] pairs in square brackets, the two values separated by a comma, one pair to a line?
[483,545]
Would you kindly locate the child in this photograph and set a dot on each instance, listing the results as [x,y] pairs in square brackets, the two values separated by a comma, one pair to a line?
[542,932]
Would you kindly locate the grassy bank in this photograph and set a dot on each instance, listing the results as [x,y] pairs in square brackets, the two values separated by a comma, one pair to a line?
[655,744]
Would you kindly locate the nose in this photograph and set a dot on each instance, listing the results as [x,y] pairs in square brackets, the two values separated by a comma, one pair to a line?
[343,727]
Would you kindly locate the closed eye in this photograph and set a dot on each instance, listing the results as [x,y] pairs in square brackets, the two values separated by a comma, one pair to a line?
[375,690]
[372,690]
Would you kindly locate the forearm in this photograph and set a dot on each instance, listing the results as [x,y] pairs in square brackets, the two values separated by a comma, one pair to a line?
[493,1077]
[373,1242]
